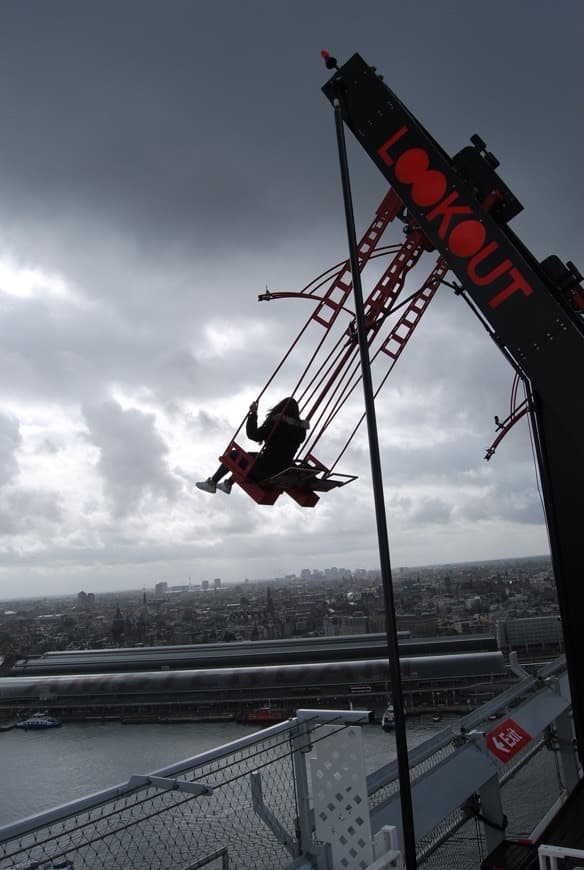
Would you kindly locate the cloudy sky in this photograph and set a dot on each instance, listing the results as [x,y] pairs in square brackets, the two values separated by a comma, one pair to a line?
[161,163]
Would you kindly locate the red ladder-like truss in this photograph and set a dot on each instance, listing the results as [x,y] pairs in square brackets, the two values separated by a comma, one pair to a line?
[332,371]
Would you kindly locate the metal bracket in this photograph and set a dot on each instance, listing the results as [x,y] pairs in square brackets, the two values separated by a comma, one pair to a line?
[164,782]
[267,816]
[553,684]
[516,668]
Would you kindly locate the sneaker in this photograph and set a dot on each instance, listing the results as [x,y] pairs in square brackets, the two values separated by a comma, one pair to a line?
[225,486]
[207,485]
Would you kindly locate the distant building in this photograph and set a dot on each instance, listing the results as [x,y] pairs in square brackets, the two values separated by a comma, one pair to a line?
[532,630]
[217,583]
[205,585]
[420,625]
[85,600]
[161,588]
[377,621]
[341,623]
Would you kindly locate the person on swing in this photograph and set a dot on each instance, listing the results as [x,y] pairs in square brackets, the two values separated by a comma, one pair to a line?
[282,433]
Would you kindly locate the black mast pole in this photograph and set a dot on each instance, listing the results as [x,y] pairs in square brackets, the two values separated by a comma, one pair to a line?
[409,839]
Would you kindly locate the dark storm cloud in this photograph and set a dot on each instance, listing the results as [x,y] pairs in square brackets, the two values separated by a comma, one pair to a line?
[132,456]
[177,121]
[167,161]
[158,116]
[143,142]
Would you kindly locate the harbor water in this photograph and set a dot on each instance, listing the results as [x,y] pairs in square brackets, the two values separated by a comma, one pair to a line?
[44,769]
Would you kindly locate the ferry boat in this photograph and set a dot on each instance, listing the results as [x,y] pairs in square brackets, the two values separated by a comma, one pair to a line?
[38,721]
[267,715]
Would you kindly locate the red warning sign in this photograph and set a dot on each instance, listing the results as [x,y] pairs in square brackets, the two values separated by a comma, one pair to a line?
[507,739]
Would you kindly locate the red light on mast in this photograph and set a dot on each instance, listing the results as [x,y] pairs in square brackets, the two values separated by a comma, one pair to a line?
[330,62]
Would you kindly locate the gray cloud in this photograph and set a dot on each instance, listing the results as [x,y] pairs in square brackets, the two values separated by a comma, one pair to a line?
[10,441]
[432,510]
[29,513]
[167,162]
[132,456]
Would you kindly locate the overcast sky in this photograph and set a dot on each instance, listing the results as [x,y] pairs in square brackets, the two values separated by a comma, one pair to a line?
[161,163]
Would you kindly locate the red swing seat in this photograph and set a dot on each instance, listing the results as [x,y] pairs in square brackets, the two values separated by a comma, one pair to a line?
[301,481]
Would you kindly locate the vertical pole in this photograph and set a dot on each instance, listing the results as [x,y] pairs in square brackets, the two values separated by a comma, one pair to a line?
[301,744]
[409,839]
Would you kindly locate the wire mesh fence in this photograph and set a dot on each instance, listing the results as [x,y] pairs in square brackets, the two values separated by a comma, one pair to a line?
[529,788]
[251,804]
[163,825]
[458,843]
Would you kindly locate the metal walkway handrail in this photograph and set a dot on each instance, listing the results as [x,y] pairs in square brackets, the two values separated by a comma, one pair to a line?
[554,853]
[388,773]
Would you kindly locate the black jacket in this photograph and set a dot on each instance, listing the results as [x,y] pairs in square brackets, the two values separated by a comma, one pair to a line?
[284,436]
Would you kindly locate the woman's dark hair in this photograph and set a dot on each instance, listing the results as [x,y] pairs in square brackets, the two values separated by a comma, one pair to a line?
[288,406]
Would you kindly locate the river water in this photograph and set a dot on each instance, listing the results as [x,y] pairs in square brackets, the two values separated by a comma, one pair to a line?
[43,769]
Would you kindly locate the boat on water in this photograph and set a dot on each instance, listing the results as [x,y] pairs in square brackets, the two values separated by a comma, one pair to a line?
[388,718]
[267,715]
[38,721]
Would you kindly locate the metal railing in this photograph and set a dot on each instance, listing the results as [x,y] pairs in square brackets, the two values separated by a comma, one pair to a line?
[259,802]
[238,803]
[551,857]
[170,819]
[209,859]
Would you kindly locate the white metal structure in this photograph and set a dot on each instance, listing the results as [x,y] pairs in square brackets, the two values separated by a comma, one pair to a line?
[549,856]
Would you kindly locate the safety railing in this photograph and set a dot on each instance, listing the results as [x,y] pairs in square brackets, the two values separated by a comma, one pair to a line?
[243,805]
[295,796]
[552,857]
[466,799]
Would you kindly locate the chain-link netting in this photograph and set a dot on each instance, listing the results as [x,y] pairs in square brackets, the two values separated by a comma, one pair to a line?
[238,807]
[417,769]
[458,843]
[529,788]
[165,827]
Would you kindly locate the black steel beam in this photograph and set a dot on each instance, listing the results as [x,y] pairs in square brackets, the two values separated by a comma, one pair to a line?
[542,337]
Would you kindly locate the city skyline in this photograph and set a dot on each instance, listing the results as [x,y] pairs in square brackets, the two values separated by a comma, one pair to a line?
[160,165]
[331,572]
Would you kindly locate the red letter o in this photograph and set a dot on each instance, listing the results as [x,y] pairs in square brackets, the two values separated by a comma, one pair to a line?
[467,238]
[428,185]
